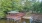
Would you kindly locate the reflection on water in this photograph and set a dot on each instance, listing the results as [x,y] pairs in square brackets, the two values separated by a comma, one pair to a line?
[5,21]
[24,21]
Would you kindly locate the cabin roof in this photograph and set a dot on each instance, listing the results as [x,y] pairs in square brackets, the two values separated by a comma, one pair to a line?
[13,12]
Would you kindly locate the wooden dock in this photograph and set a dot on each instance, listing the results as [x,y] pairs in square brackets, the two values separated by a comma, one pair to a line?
[26,17]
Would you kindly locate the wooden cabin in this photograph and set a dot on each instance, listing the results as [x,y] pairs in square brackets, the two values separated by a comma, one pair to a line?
[14,15]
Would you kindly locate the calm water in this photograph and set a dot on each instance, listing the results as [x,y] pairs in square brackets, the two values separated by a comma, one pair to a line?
[5,21]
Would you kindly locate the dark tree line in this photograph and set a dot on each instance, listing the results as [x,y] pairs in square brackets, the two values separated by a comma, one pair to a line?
[37,7]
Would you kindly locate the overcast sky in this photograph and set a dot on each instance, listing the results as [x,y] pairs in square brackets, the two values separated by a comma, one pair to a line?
[29,0]
[39,0]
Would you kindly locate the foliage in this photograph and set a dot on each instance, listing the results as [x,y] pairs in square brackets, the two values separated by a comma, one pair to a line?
[37,7]
[8,5]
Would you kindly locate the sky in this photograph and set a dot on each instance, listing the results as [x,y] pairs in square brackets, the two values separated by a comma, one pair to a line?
[29,0]
[39,0]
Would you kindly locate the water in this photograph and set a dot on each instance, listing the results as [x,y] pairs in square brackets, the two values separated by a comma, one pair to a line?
[5,21]
[24,21]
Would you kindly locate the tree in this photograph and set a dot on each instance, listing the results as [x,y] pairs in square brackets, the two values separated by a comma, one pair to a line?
[27,5]
[37,7]
[8,5]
